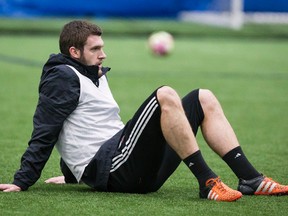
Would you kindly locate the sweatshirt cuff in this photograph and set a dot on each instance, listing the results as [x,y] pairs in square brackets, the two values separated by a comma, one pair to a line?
[20,184]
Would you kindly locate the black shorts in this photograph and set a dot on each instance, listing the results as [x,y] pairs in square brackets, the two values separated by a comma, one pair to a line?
[138,159]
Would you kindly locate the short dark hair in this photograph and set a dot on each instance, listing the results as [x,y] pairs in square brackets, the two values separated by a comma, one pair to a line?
[75,33]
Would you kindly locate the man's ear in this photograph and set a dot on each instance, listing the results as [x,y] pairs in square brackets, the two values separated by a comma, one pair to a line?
[74,52]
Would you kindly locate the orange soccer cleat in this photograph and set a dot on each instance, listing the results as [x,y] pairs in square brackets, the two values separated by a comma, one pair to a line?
[216,190]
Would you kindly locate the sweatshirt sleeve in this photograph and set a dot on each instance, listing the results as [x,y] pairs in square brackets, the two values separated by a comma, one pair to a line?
[59,92]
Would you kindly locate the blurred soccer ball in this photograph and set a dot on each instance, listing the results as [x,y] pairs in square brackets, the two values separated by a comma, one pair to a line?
[161,43]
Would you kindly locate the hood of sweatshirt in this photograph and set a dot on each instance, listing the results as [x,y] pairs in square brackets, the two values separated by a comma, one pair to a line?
[90,71]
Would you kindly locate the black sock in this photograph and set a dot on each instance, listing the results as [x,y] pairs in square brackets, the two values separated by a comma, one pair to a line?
[199,168]
[240,165]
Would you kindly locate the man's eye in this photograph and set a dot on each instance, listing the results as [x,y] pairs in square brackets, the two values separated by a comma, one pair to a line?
[96,48]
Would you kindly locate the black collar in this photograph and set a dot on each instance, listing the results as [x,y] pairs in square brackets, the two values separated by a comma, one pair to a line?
[90,71]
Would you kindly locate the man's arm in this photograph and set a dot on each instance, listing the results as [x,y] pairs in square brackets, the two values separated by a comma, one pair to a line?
[58,96]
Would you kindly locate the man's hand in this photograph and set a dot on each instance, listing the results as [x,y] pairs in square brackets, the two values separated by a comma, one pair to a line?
[56,180]
[9,188]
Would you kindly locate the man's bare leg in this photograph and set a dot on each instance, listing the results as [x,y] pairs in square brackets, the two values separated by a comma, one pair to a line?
[220,136]
[216,129]
[174,123]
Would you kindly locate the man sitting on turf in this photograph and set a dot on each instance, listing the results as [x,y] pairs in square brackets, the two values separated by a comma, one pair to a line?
[77,113]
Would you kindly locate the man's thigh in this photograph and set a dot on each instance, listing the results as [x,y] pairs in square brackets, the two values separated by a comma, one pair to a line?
[140,152]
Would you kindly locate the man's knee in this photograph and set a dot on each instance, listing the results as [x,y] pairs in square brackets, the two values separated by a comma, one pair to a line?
[168,97]
[208,100]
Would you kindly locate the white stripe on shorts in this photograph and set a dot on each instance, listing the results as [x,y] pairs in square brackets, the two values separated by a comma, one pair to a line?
[135,134]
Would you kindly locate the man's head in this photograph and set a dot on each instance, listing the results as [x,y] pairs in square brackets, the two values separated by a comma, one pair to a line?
[75,34]
[82,41]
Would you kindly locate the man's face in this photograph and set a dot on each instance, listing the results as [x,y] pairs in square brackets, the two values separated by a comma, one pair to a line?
[93,53]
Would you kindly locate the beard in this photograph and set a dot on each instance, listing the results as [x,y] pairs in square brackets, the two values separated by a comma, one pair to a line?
[83,60]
